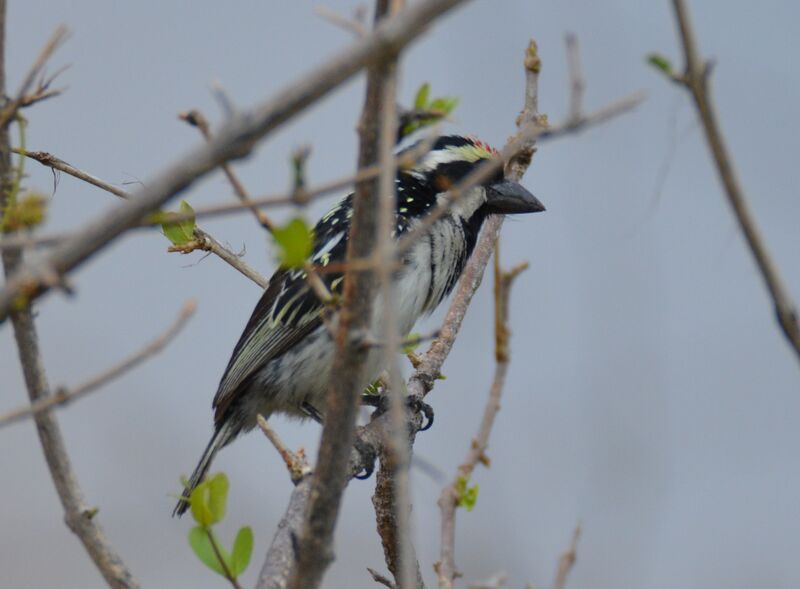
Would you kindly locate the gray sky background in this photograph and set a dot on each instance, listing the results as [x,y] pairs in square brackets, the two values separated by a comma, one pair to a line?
[651,396]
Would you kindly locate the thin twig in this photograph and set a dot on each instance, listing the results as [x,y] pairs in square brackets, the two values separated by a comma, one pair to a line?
[429,368]
[53,43]
[567,560]
[450,496]
[197,119]
[351,25]
[296,463]
[203,240]
[695,79]
[577,84]
[63,396]
[236,139]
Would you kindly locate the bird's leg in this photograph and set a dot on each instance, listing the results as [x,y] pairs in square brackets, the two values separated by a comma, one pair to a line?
[413,403]
[311,412]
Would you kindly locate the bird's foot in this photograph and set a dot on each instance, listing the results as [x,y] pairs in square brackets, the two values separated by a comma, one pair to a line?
[413,403]
[368,458]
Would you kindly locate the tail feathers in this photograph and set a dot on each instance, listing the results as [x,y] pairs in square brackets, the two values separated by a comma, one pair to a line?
[220,438]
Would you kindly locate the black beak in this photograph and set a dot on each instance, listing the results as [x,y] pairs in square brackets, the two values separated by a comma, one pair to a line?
[509,198]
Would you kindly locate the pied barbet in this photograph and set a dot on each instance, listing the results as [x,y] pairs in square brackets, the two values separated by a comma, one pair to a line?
[282,361]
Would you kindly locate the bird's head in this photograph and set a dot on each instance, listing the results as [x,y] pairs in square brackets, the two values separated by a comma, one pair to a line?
[451,159]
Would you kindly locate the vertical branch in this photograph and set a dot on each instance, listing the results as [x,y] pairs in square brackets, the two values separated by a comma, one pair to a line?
[391,499]
[451,496]
[695,79]
[314,547]
[79,516]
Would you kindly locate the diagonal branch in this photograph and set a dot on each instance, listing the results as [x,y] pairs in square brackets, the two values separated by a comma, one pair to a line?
[695,80]
[63,396]
[235,140]
[197,119]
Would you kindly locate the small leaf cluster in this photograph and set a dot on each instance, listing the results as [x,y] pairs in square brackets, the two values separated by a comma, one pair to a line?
[25,212]
[467,496]
[428,110]
[207,504]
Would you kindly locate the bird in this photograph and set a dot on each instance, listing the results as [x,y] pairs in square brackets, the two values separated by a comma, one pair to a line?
[282,361]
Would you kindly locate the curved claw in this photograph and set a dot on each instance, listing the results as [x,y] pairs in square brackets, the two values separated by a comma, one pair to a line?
[368,456]
[427,412]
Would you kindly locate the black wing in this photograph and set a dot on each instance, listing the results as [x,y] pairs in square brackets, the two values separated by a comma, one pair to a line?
[288,310]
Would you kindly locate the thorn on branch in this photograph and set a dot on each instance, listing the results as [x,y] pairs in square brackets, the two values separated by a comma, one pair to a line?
[296,463]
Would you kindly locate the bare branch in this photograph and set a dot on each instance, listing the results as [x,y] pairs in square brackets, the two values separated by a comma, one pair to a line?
[695,79]
[450,496]
[64,396]
[567,560]
[314,545]
[296,463]
[197,119]
[9,111]
[236,139]
[391,499]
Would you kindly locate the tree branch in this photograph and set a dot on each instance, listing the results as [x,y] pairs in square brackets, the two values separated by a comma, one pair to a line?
[236,139]
[567,560]
[203,241]
[695,79]
[197,119]
[314,546]
[63,396]
[450,497]
[79,517]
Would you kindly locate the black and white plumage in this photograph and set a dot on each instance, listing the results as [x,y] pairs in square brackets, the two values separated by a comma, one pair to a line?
[282,361]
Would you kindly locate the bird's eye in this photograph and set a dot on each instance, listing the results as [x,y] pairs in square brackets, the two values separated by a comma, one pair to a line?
[442,183]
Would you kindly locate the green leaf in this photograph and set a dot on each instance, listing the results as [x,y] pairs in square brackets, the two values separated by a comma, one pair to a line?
[295,242]
[178,232]
[660,62]
[421,99]
[242,549]
[201,545]
[467,496]
[438,108]
[207,501]
[218,486]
